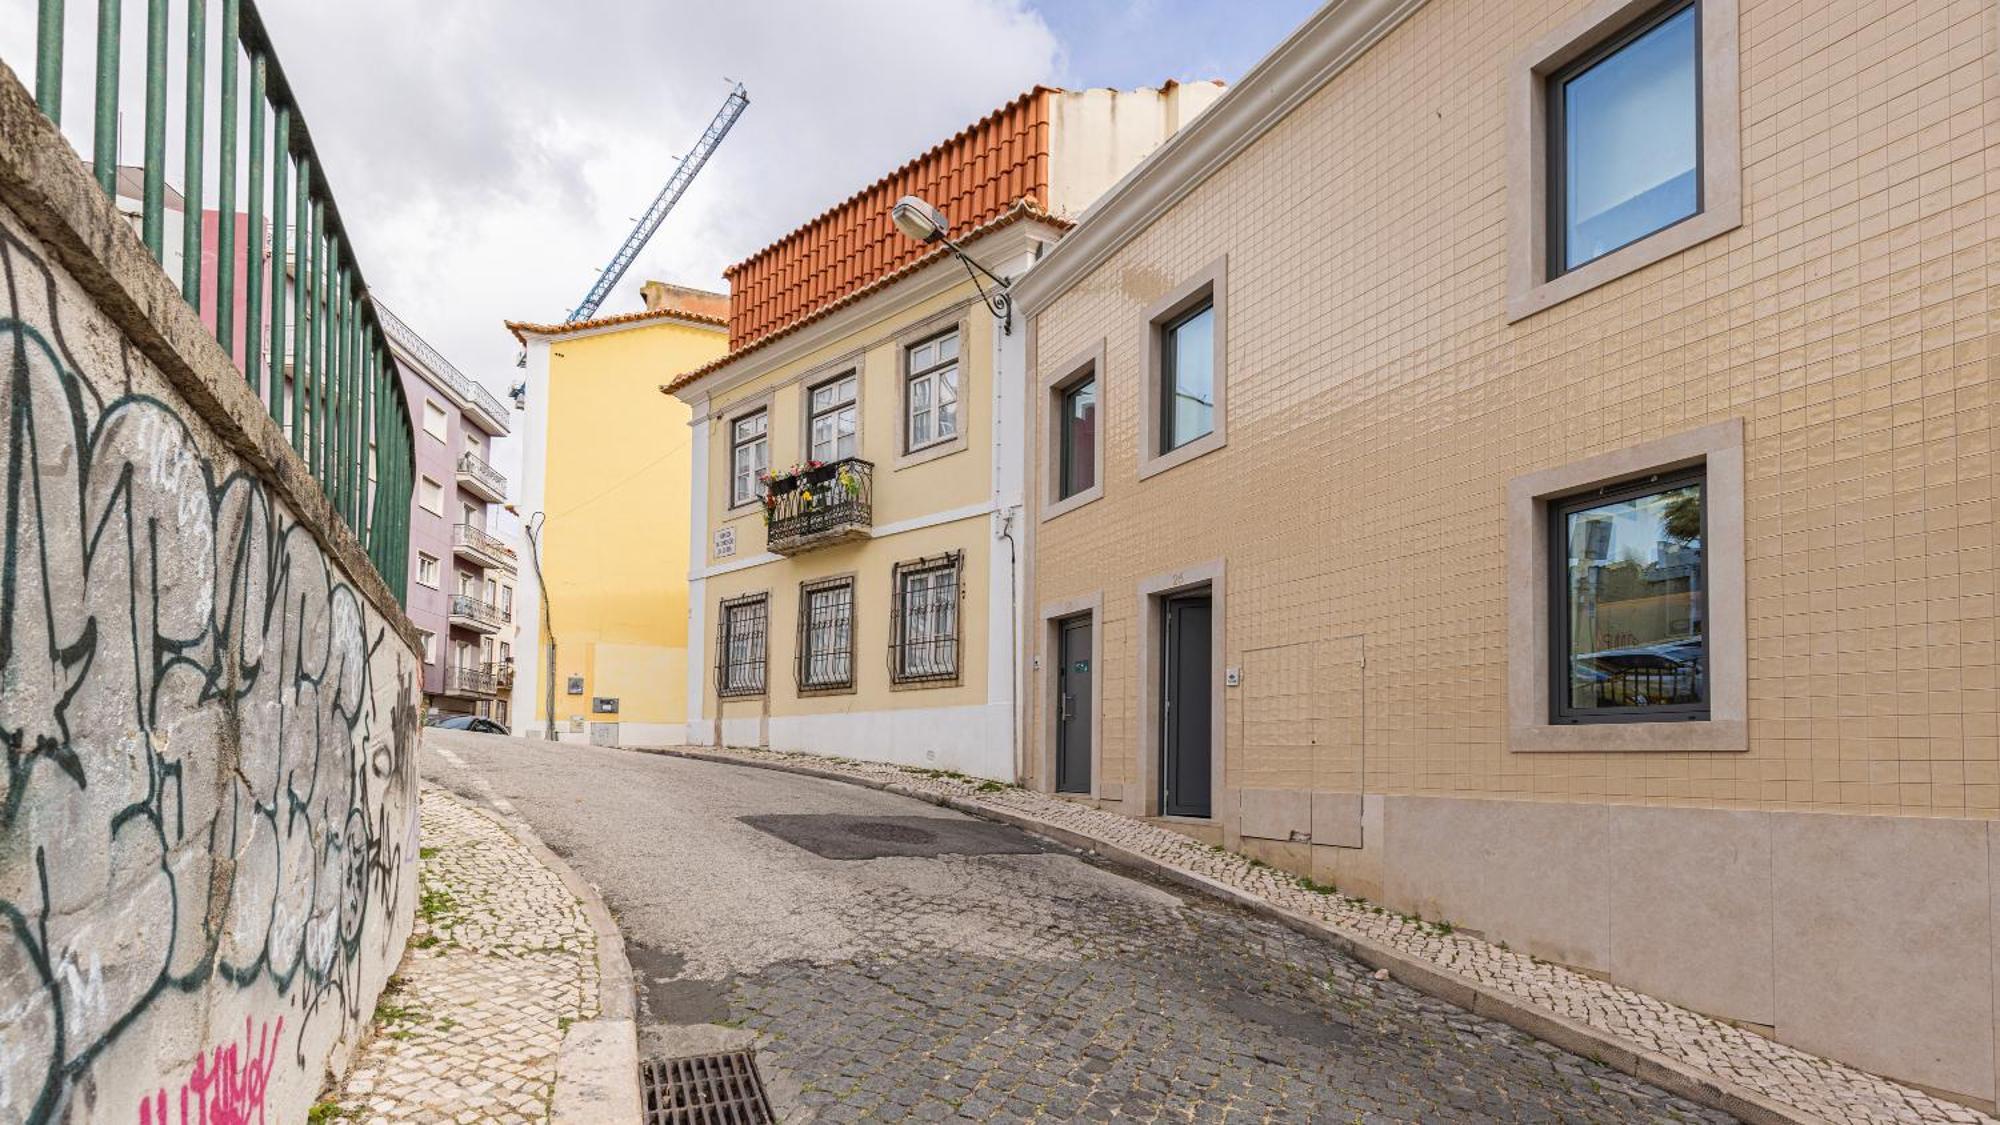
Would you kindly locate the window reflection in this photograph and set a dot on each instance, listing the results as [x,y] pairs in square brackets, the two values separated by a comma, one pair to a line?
[1632,600]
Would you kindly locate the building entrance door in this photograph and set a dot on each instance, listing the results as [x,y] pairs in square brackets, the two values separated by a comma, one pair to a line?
[1073,707]
[1185,707]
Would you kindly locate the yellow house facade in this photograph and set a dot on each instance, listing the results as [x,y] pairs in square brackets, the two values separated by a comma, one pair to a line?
[605,486]
[858,454]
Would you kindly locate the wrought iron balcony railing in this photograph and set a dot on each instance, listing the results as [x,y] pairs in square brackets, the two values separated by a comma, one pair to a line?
[481,546]
[819,507]
[481,478]
[476,613]
[479,680]
[338,400]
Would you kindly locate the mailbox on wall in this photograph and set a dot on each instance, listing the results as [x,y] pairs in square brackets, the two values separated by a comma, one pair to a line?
[604,705]
[576,685]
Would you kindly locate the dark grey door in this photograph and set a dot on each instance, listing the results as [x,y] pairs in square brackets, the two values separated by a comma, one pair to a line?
[1185,708]
[1073,707]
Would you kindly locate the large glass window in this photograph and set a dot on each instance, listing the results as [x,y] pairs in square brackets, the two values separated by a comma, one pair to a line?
[926,624]
[832,420]
[740,646]
[1079,437]
[826,635]
[749,457]
[930,395]
[1187,369]
[1625,138]
[1630,603]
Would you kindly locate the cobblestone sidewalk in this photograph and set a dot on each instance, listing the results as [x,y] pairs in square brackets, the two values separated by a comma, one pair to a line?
[502,961]
[1816,1087]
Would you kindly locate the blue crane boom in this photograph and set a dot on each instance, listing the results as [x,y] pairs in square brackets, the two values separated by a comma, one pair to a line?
[690,166]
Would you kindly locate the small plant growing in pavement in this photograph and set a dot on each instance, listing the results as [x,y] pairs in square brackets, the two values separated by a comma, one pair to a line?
[990,787]
[323,1112]
[1306,882]
[436,904]
[428,853]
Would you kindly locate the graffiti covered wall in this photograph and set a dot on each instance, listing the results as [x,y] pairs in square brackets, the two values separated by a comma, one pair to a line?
[208,806]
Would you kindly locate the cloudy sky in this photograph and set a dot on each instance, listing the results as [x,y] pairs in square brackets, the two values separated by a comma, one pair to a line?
[490,155]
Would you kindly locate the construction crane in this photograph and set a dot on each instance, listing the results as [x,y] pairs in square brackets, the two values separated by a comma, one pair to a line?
[690,167]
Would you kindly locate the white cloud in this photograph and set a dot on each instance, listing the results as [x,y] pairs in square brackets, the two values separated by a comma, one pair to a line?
[490,155]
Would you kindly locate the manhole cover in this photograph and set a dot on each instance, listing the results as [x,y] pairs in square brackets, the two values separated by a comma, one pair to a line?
[720,1089]
[889,833]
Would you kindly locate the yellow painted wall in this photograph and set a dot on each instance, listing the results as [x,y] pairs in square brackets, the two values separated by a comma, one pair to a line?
[615,544]
[904,490]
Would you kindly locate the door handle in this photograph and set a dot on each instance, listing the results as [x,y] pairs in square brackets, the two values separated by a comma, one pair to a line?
[1063,713]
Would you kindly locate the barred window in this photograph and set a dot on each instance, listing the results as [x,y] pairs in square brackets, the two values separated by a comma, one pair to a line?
[925,644]
[740,646]
[826,635]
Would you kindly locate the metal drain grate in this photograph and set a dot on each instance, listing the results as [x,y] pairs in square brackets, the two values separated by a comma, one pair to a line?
[720,1089]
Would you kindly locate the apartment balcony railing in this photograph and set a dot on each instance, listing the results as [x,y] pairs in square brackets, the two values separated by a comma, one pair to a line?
[820,507]
[477,681]
[476,614]
[480,478]
[345,412]
[480,546]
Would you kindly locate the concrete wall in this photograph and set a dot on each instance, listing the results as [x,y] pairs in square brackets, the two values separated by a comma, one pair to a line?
[208,808]
[1830,876]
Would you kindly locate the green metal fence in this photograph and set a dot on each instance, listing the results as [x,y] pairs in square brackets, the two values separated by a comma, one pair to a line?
[336,395]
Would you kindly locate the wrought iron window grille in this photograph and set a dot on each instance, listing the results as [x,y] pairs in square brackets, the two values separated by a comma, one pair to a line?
[825,660]
[924,626]
[741,643]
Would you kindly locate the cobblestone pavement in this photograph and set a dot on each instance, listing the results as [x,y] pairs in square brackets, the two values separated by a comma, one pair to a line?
[896,961]
[502,960]
[1825,1089]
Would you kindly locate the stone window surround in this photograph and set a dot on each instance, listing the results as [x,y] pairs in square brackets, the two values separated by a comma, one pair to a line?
[734,414]
[954,319]
[1210,283]
[1088,363]
[1529,287]
[1718,448]
[1153,594]
[1053,614]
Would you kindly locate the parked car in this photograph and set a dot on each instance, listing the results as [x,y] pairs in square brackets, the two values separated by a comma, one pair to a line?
[473,723]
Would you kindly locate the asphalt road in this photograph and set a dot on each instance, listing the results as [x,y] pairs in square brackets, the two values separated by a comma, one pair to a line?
[891,960]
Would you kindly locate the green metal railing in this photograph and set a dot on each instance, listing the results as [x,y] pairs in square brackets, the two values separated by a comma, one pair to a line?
[336,395]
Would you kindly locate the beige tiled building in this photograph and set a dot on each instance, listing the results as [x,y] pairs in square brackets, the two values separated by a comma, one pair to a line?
[1530,462]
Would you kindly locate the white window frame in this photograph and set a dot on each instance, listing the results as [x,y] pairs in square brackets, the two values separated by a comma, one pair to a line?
[836,408]
[931,381]
[443,430]
[427,563]
[738,496]
[426,488]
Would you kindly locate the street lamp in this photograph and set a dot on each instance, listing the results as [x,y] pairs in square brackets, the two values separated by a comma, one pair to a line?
[924,223]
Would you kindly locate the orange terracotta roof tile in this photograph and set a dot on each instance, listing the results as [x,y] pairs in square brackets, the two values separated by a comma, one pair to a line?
[522,328]
[1022,209]
[974,177]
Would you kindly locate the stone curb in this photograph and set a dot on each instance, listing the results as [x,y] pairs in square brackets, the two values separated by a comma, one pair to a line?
[597,1066]
[1578,1038]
